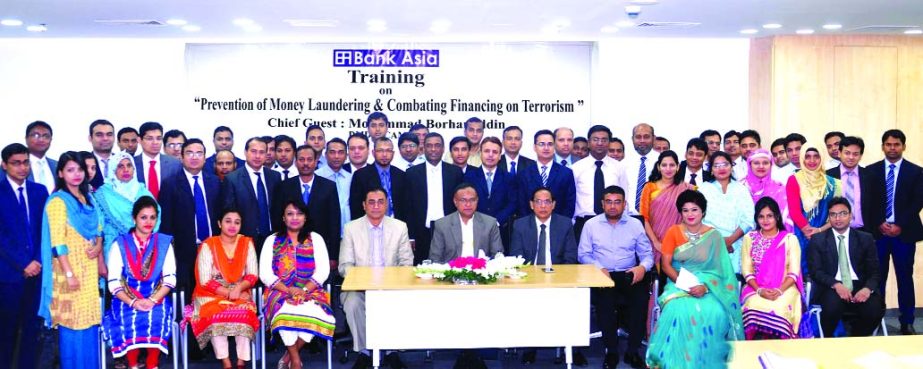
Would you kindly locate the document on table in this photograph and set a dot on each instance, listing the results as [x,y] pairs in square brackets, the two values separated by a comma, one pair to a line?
[686,280]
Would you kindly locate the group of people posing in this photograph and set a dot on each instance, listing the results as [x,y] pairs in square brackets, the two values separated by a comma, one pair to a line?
[749,226]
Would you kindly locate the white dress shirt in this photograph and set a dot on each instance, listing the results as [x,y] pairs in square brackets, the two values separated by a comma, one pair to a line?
[434,208]
[585,175]
[41,172]
[897,171]
[253,179]
[292,171]
[836,240]
[538,233]
[740,168]
[104,164]
[832,163]
[632,164]
[342,180]
[204,194]
[698,175]
[25,193]
[467,236]
[309,183]
[781,174]
[400,163]
[146,163]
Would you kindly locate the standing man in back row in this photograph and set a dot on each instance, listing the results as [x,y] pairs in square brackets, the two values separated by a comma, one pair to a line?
[639,163]
[435,182]
[593,175]
[251,189]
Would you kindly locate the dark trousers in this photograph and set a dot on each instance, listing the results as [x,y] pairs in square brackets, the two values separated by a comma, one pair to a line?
[626,297]
[422,238]
[903,254]
[579,222]
[19,319]
[865,316]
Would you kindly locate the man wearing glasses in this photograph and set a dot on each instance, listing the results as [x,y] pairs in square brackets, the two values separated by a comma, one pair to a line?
[38,140]
[381,174]
[593,175]
[547,173]
[408,146]
[151,166]
[173,142]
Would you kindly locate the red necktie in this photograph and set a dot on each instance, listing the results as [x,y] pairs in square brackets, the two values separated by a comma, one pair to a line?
[152,184]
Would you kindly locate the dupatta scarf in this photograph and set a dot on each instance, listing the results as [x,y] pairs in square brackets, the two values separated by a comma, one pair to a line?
[663,208]
[294,265]
[767,187]
[769,264]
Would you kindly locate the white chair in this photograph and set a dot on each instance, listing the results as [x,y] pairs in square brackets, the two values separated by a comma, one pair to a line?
[174,336]
[815,310]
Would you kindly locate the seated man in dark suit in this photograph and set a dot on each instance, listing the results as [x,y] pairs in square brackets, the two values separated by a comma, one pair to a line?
[844,267]
[496,188]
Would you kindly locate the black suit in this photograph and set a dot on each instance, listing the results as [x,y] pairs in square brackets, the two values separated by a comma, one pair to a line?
[178,219]
[239,193]
[869,197]
[169,168]
[323,209]
[706,175]
[367,178]
[823,259]
[416,177]
[522,162]
[562,242]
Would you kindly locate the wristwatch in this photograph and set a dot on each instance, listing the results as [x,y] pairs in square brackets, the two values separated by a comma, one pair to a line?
[69,274]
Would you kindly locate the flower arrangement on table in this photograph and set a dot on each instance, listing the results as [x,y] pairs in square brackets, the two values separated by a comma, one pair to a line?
[474,270]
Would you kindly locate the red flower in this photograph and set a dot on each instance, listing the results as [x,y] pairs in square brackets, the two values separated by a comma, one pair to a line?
[469,261]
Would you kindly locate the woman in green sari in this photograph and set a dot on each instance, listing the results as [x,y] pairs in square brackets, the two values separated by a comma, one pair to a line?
[697,319]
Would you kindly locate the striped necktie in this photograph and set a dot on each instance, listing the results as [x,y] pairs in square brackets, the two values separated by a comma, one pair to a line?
[889,190]
[642,180]
[544,176]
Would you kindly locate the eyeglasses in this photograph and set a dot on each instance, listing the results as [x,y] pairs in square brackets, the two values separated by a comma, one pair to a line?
[544,144]
[468,201]
[384,151]
[599,140]
[842,214]
[379,202]
[194,154]
[614,202]
[36,136]
[722,165]
[408,147]
[543,202]
[175,145]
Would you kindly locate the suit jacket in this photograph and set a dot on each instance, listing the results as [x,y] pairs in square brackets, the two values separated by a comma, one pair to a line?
[908,199]
[522,163]
[239,193]
[500,203]
[561,232]
[560,181]
[20,242]
[416,176]
[706,175]
[100,177]
[169,167]
[52,165]
[447,237]
[367,178]
[210,163]
[177,218]
[355,248]
[323,209]
[867,190]
[823,260]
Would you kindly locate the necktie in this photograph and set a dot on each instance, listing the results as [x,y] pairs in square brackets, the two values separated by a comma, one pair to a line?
[513,168]
[598,188]
[153,184]
[386,184]
[540,249]
[306,194]
[544,176]
[40,175]
[692,179]
[850,188]
[105,166]
[642,180]
[409,164]
[564,162]
[201,217]
[490,182]
[285,173]
[23,207]
[263,202]
[845,275]
[889,190]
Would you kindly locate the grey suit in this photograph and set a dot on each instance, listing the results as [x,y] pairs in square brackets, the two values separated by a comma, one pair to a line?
[447,237]
[355,250]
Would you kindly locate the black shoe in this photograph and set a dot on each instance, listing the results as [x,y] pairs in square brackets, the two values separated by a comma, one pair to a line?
[463,362]
[611,361]
[635,360]
[528,357]
[558,360]
[908,330]
[363,361]
[579,359]
[393,360]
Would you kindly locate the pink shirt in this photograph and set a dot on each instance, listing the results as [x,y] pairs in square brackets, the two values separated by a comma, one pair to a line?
[850,178]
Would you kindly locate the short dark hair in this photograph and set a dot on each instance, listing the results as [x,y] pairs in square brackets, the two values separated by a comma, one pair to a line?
[126,130]
[458,139]
[434,134]
[100,122]
[833,134]
[220,129]
[581,139]
[598,128]
[839,200]
[193,141]
[709,132]
[173,133]
[149,126]
[360,136]
[542,132]
[38,124]
[462,186]
[616,139]
[307,147]
[692,196]
[792,137]
[13,149]
[492,139]
[731,133]
[778,142]
[227,210]
[661,138]
[142,203]
[407,136]
[895,133]
[286,139]
[382,139]
[697,143]
[268,139]
[377,115]
[853,140]
[768,202]
[655,172]
[752,134]
[335,140]
[511,128]
[715,155]
[314,127]
[542,188]
[258,139]
[473,120]
[374,189]
[417,126]
[614,190]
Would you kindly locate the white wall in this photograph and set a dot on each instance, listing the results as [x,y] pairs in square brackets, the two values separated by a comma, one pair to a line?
[681,86]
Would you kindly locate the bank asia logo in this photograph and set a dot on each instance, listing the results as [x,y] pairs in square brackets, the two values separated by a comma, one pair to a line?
[385,58]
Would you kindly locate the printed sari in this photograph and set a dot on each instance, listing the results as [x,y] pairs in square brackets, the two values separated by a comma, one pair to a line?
[770,261]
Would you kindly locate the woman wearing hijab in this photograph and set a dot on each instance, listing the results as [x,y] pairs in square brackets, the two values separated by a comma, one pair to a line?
[809,190]
[760,184]
[117,196]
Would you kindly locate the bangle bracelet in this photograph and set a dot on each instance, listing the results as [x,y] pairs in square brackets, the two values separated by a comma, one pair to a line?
[132,304]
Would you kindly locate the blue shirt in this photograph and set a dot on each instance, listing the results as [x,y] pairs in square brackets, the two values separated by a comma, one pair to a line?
[614,246]
[342,179]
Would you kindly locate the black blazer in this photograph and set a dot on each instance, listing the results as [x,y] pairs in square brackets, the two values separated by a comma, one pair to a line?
[210,163]
[20,242]
[823,260]
[522,163]
[560,181]
[416,177]
[367,178]
[500,203]
[908,199]
[177,218]
[323,209]
[868,193]
[169,167]
[706,175]
[238,193]
[563,243]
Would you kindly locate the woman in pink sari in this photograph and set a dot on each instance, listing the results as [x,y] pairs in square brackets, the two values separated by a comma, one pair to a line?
[658,199]
[771,265]
[760,183]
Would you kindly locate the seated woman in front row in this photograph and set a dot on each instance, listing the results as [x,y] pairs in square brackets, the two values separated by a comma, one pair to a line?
[696,323]
[142,272]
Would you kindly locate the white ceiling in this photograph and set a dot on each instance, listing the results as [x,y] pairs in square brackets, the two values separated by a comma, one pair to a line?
[500,20]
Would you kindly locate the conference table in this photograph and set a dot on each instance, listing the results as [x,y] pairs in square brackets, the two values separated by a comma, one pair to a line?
[540,310]
[830,352]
